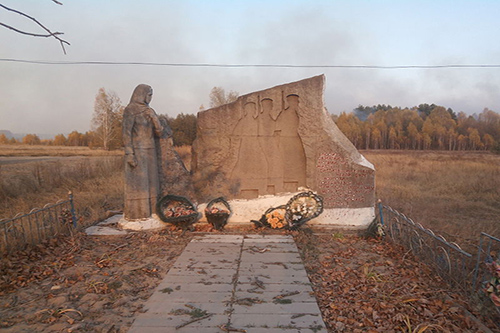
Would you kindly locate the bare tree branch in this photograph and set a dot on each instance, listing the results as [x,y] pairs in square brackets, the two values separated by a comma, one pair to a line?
[49,33]
[29,33]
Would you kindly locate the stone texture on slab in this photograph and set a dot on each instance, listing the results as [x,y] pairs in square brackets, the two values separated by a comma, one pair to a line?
[276,297]
[279,140]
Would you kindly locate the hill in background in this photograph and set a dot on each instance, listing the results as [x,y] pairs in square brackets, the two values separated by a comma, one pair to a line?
[19,136]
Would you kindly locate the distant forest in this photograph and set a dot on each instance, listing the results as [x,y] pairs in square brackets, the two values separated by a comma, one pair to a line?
[183,128]
[420,128]
[426,127]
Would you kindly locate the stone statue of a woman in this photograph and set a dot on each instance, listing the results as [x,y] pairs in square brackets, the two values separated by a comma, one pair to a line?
[141,127]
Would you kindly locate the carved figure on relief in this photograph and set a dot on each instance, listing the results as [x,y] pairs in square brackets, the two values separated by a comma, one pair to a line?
[290,145]
[270,144]
[251,166]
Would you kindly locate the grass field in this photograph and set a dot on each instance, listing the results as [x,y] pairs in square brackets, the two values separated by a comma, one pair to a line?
[456,194]
[27,150]
[94,176]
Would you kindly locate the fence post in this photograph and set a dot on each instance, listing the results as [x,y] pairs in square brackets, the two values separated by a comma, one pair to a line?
[478,260]
[72,206]
[380,211]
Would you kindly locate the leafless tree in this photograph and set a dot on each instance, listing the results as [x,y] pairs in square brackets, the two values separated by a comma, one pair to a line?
[107,118]
[48,32]
[219,97]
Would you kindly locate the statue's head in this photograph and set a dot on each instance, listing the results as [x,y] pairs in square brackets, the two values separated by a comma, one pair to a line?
[142,94]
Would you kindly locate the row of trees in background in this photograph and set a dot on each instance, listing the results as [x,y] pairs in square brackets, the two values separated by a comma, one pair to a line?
[420,128]
[427,126]
[106,130]
[73,139]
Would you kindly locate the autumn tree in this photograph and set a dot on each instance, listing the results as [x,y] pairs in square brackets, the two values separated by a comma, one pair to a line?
[183,128]
[59,140]
[3,139]
[31,139]
[474,139]
[107,119]
[362,112]
[427,126]
[218,97]
[489,123]
[488,141]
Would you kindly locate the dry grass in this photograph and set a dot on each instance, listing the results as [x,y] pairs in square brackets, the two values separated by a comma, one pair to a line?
[94,176]
[453,193]
[185,154]
[40,150]
[96,182]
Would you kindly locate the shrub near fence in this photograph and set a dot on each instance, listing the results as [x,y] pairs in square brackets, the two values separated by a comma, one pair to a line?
[475,276]
[37,225]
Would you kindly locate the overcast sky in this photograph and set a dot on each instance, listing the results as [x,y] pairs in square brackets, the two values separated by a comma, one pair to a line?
[60,98]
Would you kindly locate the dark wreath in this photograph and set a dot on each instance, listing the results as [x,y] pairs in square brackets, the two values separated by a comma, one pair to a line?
[218,212]
[177,210]
[302,208]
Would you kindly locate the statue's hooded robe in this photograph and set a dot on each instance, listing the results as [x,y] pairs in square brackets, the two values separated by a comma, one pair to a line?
[140,126]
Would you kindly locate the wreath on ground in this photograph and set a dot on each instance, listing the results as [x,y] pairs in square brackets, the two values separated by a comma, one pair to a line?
[300,209]
[218,212]
[177,210]
[273,218]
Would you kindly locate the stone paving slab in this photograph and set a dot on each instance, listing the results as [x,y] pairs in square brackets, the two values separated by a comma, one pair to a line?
[304,296]
[208,272]
[274,257]
[294,265]
[269,321]
[206,280]
[143,322]
[185,297]
[254,283]
[272,278]
[199,287]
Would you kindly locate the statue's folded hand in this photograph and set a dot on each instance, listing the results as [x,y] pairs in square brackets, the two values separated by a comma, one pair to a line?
[131,160]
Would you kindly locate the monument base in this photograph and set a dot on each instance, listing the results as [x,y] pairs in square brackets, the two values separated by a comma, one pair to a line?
[345,218]
[150,223]
[243,211]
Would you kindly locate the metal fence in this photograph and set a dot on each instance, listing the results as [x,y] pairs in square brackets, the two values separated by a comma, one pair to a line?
[473,275]
[486,281]
[447,258]
[37,225]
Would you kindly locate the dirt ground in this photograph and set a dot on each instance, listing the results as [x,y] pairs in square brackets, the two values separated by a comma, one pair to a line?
[99,283]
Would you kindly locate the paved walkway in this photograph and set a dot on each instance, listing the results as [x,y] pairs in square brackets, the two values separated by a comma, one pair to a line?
[234,283]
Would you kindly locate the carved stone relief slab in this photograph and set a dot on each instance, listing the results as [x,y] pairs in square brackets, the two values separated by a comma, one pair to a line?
[279,140]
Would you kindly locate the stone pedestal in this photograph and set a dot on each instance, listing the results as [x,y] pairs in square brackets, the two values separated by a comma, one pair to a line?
[151,223]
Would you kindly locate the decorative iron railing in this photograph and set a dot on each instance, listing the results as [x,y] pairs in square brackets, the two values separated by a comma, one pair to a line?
[478,276]
[37,225]
[486,281]
[447,258]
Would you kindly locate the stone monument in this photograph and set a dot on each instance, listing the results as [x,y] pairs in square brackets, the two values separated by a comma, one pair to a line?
[282,140]
[152,167]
